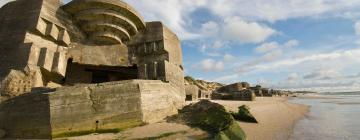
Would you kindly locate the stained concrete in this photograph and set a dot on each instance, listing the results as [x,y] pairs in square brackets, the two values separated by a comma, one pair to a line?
[88,107]
[110,67]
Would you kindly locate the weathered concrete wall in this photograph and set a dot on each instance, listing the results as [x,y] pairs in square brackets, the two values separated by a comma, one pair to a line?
[175,76]
[192,91]
[109,55]
[18,17]
[26,116]
[159,100]
[88,107]
[34,35]
[157,52]
[104,106]
[234,87]
[172,46]
[204,94]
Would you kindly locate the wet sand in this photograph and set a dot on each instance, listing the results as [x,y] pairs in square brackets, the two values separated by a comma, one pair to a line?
[276,117]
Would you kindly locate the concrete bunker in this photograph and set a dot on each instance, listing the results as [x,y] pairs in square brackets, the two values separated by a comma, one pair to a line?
[88,53]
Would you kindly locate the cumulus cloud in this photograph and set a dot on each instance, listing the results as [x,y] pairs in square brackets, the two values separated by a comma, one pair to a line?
[237,29]
[270,52]
[211,65]
[176,13]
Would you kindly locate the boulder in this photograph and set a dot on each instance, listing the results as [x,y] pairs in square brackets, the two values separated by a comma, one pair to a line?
[213,118]
[244,115]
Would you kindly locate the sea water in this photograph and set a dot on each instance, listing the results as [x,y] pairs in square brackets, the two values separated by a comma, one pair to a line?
[335,118]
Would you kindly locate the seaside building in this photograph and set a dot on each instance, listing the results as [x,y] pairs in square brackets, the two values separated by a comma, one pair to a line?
[110,68]
[236,91]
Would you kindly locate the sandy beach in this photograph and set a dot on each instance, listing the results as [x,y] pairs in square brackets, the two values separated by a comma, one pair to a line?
[276,117]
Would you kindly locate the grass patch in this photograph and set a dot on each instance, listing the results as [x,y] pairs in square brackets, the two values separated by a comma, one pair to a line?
[162,135]
[114,129]
[244,115]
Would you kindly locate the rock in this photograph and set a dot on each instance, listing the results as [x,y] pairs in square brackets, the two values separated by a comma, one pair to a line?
[213,118]
[2,133]
[234,132]
[244,115]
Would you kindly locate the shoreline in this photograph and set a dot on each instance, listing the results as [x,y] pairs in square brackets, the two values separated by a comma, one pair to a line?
[277,118]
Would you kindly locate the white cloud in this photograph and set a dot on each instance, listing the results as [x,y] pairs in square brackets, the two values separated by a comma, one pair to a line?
[291,43]
[211,65]
[266,47]
[322,74]
[174,13]
[271,46]
[342,57]
[210,28]
[272,55]
[228,58]
[357,28]
[281,9]
[218,44]
[237,29]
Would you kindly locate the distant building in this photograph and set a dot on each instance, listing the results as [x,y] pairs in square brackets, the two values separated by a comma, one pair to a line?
[237,91]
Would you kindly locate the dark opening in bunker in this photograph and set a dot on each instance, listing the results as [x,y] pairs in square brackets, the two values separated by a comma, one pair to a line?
[188,98]
[79,73]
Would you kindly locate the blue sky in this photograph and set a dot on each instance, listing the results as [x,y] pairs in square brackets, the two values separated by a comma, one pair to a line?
[286,44]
